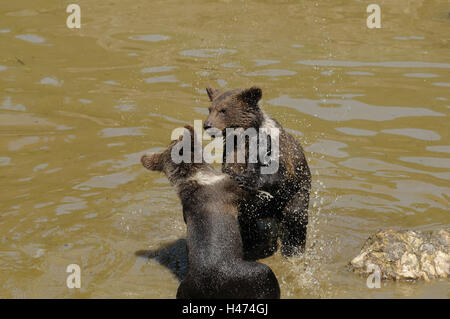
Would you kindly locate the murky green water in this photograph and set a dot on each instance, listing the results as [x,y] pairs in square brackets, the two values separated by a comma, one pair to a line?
[78,108]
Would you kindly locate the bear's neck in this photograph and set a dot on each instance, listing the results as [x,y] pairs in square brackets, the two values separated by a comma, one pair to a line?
[211,215]
[191,187]
[267,122]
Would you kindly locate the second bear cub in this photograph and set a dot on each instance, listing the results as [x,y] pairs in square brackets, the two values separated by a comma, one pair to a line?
[290,186]
[215,254]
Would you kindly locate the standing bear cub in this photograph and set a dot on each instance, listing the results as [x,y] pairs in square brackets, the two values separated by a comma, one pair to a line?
[209,198]
[283,214]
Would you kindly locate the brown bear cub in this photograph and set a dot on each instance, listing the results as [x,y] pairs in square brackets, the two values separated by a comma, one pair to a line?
[209,198]
[284,214]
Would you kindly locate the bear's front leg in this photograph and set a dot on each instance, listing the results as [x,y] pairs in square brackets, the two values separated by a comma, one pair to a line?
[259,236]
[248,179]
[293,222]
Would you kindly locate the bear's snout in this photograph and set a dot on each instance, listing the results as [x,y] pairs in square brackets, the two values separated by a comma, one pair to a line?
[207,125]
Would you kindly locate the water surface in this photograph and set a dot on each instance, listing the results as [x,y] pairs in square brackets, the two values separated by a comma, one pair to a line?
[79,107]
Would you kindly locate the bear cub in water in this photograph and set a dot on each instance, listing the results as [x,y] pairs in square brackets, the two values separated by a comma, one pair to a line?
[217,268]
[284,214]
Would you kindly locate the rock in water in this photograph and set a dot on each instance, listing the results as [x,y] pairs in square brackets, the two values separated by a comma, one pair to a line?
[405,255]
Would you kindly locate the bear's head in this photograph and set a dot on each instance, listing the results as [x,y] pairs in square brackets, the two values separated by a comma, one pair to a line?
[234,109]
[178,160]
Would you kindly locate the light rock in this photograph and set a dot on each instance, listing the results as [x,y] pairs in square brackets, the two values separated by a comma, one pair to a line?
[405,255]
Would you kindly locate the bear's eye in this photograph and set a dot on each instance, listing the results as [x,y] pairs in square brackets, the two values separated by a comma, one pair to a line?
[223,111]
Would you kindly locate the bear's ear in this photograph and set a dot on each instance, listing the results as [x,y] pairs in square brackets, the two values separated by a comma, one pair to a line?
[188,133]
[191,130]
[251,96]
[193,135]
[212,93]
[152,161]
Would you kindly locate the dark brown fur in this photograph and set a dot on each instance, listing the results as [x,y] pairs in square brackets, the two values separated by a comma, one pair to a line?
[286,214]
[215,254]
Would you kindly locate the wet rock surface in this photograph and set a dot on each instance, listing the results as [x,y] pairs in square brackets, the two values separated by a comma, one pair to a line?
[405,255]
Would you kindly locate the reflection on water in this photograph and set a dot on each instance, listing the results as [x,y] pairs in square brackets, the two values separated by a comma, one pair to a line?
[157,69]
[270,72]
[428,161]
[412,37]
[162,79]
[5,161]
[30,38]
[79,107]
[149,37]
[259,62]
[439,148]
[420,134]
[329,148]
[355,131]
[51,81]
[359,73]
[389,64]
[8,105]
[206,53]
[445,84]
[421,75]
[345,110]
[121,131]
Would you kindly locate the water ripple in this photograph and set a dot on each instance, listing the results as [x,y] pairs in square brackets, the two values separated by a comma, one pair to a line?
[388,64]
[345,110]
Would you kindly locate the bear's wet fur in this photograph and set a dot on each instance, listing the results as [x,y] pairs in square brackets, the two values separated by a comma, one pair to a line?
[262,220]
[217,268]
